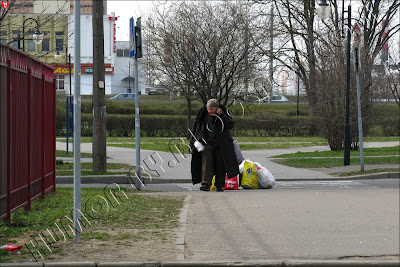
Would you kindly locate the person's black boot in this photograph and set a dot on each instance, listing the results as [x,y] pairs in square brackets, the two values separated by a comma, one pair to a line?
[205,187]
[219,189]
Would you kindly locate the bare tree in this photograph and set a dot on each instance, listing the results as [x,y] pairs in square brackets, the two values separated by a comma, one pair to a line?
[201,47]
[317,50]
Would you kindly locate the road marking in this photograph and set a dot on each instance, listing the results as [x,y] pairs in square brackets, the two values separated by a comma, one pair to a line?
[347,184]
[322,184]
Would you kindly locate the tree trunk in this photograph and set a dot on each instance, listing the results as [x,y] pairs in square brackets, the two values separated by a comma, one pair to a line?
[189,116]
[99,98]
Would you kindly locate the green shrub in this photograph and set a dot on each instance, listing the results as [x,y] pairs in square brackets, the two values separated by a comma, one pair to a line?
[390,126]
[168,119]
[274,126]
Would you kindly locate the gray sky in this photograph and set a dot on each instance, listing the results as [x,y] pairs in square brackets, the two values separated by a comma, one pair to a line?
[126,9]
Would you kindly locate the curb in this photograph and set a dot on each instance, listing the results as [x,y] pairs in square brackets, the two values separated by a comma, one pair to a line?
[122,179]
[372,176]
[118,179]
[330,263]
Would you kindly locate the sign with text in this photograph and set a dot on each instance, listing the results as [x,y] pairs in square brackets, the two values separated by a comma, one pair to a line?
[131,37]
[62,70]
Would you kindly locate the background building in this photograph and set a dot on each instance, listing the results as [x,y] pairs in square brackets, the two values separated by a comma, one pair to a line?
[56,23]
[54,28]
[52,7]
[123,77]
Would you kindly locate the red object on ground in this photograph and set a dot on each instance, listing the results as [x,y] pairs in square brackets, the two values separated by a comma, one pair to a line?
[231,184]
[12,247]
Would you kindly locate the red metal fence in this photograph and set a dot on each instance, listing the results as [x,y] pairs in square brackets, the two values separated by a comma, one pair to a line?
[27,130]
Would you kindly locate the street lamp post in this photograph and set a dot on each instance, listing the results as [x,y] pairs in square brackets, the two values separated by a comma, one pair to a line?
[298,93]
[57,57]
[129,76]
[324,11]
[67,56]
[37,36]
[347,125]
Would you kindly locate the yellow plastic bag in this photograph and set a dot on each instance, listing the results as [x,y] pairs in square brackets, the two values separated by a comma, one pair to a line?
[249,178]
[212,187]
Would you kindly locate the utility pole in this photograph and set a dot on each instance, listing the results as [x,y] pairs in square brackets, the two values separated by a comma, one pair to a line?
[347,138]
[77,121]
[271,51]
[246,59]
[99,97]
[129,75]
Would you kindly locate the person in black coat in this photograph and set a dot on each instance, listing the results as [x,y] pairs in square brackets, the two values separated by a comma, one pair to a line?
[212,148]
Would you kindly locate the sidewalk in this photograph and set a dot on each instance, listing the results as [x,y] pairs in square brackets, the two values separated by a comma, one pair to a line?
[171,168]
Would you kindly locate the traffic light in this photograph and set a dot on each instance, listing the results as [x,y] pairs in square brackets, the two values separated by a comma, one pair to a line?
[138,38]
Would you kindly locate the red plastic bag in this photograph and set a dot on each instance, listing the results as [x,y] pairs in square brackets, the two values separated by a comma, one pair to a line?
[231,184]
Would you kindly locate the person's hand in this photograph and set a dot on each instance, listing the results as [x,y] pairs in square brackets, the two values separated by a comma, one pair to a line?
[219,111]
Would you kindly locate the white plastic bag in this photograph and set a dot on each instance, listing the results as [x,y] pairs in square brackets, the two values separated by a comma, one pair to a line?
[265,178]
[241,167]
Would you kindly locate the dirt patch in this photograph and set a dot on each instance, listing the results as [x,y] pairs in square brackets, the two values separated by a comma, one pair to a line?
[124,245]
[109,245]
[151,240]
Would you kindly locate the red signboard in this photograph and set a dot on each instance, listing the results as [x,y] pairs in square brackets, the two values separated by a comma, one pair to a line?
[5,4]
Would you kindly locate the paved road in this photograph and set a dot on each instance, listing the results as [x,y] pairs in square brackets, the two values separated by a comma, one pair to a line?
[308,221]
[174,165]
[280,185]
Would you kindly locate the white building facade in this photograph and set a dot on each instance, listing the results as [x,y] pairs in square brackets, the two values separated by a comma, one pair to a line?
[124,71]
[116,58]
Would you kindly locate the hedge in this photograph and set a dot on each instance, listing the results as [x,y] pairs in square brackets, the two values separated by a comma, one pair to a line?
[252,124]
[172,126]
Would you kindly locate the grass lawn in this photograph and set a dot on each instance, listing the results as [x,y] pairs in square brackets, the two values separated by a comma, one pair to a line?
[162,143]
[381,151]
[67,168]
[365,172]
[147,215]
[62,153]
[327,159]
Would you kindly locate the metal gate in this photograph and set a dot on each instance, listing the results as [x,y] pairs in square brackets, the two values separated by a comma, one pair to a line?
[27,130]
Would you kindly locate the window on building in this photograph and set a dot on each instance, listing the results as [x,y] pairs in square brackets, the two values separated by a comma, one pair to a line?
[59,33]
[15,44]
[30,46]
[46,42]
[15,38]
[126,52]
[59,82]
[15,33]
[46,45]
[3,37]
[120,52]
[59,45]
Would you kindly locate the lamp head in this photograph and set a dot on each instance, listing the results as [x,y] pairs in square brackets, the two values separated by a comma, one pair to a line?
[37,37]
[323,9]
[57,56]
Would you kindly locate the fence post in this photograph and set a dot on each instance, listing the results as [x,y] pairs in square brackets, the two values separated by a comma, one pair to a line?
[67,122]
[54,123]
[29,181]
[43,135]
[9,138]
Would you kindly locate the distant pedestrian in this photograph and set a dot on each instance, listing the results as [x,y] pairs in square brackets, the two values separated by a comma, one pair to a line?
[211,129]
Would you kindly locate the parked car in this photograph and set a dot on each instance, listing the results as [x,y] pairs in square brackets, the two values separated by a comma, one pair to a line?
[277,98]
[123,96]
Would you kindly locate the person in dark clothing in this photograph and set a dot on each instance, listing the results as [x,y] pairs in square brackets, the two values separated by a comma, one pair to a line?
[213,152]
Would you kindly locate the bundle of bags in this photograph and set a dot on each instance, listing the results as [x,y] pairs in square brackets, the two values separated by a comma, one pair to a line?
[252,175]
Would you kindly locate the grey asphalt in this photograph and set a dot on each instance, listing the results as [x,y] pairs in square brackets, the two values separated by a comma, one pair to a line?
[345,225]
[324,224]
[175,167]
